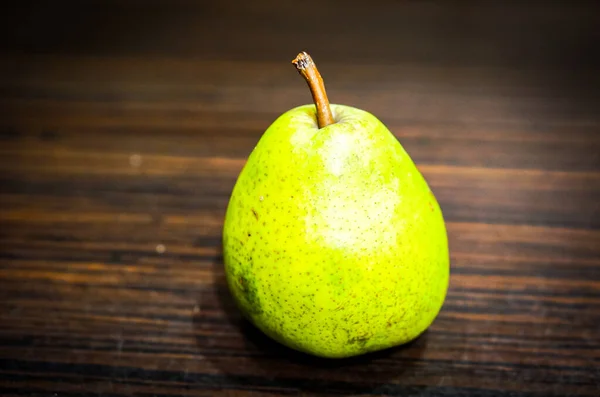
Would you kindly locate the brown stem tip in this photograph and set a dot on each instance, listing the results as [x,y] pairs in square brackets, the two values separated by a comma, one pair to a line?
[307,68]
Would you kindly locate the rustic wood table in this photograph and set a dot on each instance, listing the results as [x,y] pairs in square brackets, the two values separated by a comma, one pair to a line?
[124,124]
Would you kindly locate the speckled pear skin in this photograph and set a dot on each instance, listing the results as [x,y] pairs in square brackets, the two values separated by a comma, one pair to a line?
[333,243]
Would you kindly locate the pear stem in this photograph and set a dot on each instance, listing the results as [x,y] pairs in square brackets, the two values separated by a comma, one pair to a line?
[307,68]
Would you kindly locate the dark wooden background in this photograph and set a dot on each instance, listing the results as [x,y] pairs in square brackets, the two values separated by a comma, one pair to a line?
[123,125]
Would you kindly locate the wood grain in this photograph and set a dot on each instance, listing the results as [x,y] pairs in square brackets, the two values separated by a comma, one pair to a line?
[124,124]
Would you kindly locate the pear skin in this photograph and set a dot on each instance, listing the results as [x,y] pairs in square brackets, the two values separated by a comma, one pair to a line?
[334,244]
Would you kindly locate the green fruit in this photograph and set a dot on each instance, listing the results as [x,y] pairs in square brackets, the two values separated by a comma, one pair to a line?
[333,243]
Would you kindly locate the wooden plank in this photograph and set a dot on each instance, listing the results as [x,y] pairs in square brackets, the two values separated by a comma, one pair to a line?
[123,127]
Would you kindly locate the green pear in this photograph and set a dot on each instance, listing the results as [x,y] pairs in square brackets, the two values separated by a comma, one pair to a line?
[333,242]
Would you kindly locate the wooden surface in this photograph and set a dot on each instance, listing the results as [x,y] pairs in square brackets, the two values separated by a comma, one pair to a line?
[123,127]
